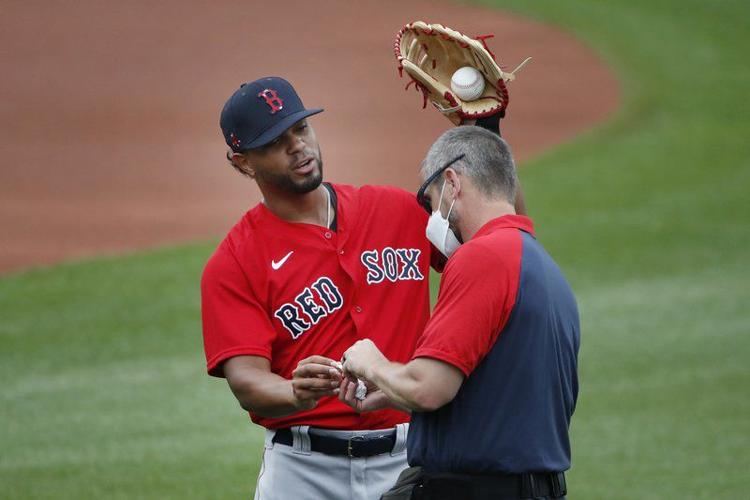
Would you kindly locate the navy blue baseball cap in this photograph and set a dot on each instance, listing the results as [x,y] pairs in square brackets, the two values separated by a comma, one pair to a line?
[260,111]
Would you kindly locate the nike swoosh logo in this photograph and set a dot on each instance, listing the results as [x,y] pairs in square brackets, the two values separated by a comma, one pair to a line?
[276,265]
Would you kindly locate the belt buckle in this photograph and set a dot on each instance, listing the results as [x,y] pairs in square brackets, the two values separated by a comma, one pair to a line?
[349,450]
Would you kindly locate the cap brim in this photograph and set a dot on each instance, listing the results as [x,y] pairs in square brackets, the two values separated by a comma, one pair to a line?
[278,129]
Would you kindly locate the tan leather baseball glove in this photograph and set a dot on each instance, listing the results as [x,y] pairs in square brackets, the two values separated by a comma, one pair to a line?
[431,53]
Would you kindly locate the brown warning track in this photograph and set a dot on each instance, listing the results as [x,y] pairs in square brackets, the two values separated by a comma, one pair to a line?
[109,110]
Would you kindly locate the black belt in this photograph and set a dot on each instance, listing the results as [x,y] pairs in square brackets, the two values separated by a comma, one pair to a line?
[367,445]
[485,486]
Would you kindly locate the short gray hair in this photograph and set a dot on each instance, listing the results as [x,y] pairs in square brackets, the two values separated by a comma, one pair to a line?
[487,160]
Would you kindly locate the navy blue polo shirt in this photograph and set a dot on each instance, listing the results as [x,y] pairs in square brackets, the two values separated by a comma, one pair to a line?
[507,318]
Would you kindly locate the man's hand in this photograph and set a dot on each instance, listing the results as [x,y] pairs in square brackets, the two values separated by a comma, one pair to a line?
[314,378]
[374,400]
[361,358]
[429,54]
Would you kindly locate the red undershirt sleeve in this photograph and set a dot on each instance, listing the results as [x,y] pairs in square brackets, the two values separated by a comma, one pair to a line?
[234,322]
[477,294]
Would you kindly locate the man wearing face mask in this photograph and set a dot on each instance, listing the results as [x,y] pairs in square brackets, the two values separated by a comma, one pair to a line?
[492,384]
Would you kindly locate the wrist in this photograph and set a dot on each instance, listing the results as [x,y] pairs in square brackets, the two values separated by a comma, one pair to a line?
[491,123]
[374,371]
[298,403]
[303,404]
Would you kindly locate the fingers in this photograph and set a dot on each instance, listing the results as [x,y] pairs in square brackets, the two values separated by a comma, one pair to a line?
[314,384]
[351,391]
[309,391]
[314,378]
[347,391]
[317,370]
[318,360]
[314,396]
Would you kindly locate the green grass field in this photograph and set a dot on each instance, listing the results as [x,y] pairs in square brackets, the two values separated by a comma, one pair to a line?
[104,393]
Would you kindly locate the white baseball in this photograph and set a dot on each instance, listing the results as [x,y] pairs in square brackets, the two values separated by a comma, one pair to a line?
[467,83]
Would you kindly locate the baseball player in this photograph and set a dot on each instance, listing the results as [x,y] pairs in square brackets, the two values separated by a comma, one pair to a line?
[303,275]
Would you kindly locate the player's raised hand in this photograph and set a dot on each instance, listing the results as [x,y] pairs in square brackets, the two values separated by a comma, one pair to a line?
[315,377]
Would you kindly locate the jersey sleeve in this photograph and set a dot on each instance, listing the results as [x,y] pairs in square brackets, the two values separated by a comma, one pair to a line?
[477,294]
[234,322]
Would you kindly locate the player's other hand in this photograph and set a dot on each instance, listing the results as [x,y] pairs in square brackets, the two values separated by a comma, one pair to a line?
[314,378]
[374,400]
[361,358]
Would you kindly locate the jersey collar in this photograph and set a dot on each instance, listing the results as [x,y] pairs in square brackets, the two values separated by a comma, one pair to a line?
[510,221]
[347,213]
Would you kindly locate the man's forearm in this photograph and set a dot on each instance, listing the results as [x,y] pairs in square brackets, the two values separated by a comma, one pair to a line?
[424,384]
[267,395]
[399,384]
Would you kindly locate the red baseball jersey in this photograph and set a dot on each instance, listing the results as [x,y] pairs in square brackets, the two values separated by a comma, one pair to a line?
[286,291]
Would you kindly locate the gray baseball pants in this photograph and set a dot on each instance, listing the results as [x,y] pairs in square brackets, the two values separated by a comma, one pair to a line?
[297,473]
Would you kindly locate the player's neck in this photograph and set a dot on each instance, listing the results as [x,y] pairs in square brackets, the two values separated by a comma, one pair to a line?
[309,208]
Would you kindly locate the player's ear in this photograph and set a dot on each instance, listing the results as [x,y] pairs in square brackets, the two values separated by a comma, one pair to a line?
[241,163]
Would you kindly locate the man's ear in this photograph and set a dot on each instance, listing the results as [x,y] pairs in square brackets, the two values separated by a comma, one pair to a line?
[241,162]
[454,181]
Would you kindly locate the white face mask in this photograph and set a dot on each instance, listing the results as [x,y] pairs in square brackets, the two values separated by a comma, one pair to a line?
[438,231]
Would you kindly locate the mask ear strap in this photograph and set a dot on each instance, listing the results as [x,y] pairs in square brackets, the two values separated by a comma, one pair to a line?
[452,203]
[450,209]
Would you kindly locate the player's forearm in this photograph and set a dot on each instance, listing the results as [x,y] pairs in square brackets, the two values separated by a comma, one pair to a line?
[405,390]
[266,395]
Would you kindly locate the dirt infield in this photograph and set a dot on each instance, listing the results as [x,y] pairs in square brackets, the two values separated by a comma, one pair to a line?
[110,138]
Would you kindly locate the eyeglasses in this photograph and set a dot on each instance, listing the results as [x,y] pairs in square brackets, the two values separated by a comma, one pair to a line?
[420,194]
